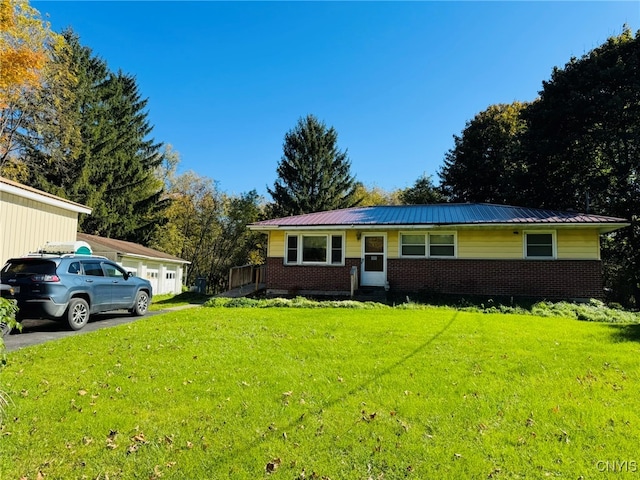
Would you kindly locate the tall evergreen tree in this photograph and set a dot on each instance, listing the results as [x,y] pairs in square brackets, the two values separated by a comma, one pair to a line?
[313,174]
[110,163]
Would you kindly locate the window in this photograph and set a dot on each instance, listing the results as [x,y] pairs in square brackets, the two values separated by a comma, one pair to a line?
[170,275]
[292,249]
[336,249]
[74,268]
[314,249]
[413,245]
[92,269]
[317,249]
[441,245]
[435,244]
[113,271]
[539,245]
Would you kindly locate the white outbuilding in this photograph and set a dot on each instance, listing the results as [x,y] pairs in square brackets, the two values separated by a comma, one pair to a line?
[29,218]
[164,271]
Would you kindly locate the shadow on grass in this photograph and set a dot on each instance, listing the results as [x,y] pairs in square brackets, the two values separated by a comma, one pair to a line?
[331,402]
[191,298]
[626,333]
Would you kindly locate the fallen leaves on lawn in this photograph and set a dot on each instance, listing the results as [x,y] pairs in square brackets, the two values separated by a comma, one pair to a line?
[273,465]
[110,441]
[138,440]
[367,417]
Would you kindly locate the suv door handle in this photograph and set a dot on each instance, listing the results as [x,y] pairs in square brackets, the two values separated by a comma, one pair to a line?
[88,280]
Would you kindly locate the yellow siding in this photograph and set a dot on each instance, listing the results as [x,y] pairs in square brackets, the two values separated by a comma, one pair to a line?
[352,244]
[578,244]
[26,225]
[393,244]
[276,244]
[476,243]
[489,244]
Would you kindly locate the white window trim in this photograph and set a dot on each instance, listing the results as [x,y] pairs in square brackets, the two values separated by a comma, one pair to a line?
[427,244]
[327,235]
[554,244]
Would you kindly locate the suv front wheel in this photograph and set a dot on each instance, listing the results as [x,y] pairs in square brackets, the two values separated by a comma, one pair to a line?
[77,313]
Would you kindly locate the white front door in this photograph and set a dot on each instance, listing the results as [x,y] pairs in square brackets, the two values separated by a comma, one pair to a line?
[374,260]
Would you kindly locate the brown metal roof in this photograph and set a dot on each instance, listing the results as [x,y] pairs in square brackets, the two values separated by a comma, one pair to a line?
[101,244]
[437,214]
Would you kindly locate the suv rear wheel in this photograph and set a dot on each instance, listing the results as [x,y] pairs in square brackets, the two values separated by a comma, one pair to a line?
[77,313]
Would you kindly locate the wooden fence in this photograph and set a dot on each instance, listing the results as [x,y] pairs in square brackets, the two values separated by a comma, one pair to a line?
[245,275]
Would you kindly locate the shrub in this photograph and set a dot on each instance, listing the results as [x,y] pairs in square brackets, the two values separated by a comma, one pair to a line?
[593,311]
[8,310]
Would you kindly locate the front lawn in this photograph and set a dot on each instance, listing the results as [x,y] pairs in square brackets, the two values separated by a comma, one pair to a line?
[162,302]
[326,393]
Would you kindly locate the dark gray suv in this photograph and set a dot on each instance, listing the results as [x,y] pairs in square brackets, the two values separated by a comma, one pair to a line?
[72,287]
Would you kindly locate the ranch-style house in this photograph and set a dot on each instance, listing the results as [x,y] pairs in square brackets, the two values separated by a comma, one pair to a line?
[469,249]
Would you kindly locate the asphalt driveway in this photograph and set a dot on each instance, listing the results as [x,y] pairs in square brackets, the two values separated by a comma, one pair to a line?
[40,331]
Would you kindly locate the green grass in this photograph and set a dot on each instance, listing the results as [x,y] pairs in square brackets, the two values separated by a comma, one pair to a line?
[334,393]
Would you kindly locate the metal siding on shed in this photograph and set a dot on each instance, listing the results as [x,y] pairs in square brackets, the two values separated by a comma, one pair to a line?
[26,225]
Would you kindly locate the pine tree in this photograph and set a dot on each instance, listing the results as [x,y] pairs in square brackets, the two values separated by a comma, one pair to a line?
[110,162]
[313,174]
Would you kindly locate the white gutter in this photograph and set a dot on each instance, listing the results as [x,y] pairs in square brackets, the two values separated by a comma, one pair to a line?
[47,199]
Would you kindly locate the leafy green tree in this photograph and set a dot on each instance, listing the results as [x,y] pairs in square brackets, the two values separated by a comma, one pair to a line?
[575,147]
[485,164]
[27,49]
[208,228]
[582,147]
[422,192]
[370,196]
[313,174]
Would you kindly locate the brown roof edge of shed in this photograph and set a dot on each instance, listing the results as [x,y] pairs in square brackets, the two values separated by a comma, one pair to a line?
[123,247]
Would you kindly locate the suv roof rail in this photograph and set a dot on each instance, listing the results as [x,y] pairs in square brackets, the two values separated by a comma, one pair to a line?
[62,255]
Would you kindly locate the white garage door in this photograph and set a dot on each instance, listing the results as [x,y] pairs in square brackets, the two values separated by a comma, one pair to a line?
[152,276]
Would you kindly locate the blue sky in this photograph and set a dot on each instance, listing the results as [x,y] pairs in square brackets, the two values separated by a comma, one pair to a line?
[226,80]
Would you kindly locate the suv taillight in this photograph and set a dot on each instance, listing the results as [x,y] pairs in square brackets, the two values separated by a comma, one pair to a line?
[45,278]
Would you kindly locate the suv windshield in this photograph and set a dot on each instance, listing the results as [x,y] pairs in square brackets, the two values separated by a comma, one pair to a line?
[28,267]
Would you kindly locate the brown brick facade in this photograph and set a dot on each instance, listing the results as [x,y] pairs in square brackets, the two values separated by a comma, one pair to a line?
[552,279]
[301,278]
